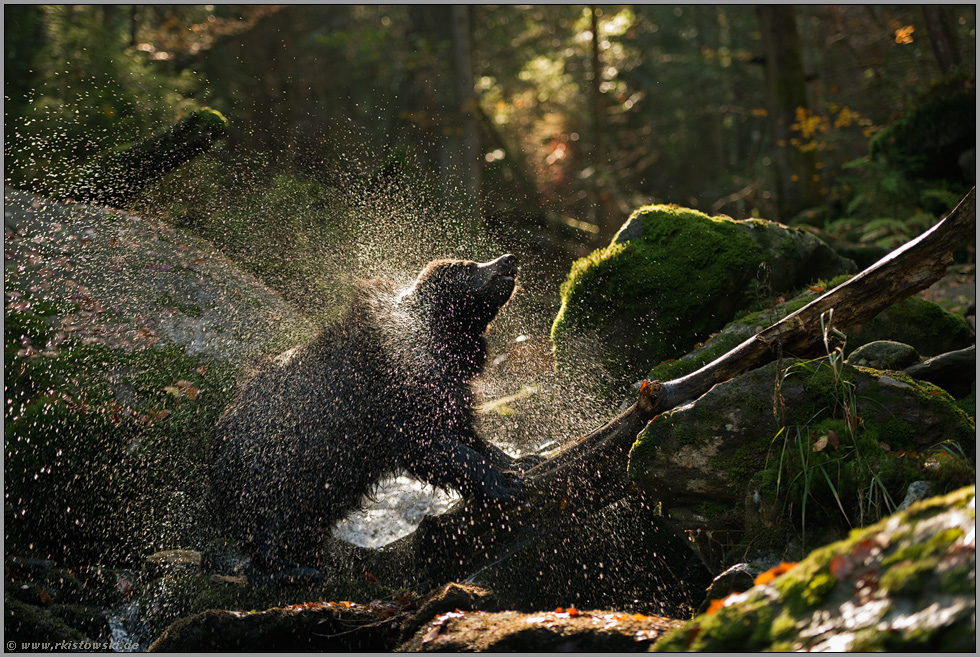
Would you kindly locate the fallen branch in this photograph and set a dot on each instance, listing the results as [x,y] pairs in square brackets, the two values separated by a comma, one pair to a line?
[903,272]
[116,178]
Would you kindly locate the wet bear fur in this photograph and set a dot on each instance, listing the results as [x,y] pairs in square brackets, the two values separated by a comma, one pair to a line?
[385,388]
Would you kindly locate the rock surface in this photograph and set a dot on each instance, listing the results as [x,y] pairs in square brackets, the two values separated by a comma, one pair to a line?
[907,583]
[135,281]
[699,459]
[670,278]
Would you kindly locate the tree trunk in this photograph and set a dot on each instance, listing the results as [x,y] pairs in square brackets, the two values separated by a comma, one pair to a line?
[591,473]
[115,179]
[795,172]
[943,37]
[468,158]
[604,217]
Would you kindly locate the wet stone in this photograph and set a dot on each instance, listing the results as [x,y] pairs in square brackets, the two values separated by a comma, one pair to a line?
[884,355]
[173,562]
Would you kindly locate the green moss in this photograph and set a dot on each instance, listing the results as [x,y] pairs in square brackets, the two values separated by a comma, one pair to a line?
[925,325]
[969,403]
[818,588]
[211,118]
[97,439]
[782,614]
[864,474]
[741,465]
[682,278]
[24,622]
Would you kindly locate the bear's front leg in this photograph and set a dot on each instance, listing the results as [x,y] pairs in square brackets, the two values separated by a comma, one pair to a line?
[448,463]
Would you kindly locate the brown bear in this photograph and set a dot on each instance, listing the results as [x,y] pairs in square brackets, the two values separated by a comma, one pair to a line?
[385,388]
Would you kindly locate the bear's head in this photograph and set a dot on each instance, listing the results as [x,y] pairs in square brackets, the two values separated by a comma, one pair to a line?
[461,297]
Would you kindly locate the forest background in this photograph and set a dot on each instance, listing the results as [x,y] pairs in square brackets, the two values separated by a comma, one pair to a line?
[542,126]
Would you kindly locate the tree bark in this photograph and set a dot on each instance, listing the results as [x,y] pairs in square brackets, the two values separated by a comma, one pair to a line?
[795,172]
[943,37]
[468,162]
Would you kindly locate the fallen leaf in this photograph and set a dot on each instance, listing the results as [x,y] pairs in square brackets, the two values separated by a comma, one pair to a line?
[841,566]
[773,573]
[821,442]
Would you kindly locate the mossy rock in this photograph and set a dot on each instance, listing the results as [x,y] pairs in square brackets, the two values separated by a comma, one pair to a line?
[922,324]
[670,278]
[24,622]
[123,341]
[906,583]
[884,355]
[703,459]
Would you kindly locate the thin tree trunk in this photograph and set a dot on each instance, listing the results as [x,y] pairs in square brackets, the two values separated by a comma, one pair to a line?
[943,37]
[468,162]
[603,217]
[795,172]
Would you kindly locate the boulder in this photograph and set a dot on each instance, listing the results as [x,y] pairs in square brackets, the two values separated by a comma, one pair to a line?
[670,278]
[906,583]
[728,462]
[884,355]
[558,630]
[124,339]
[955,372]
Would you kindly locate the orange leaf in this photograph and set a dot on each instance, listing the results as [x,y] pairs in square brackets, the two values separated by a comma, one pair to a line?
[841,566]
[370,577]
[773,573]
[715,605]
[572,612]
[44,596]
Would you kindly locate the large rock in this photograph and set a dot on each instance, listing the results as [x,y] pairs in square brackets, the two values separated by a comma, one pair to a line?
[123,340]
[732,460]
[907,583]
[670,278]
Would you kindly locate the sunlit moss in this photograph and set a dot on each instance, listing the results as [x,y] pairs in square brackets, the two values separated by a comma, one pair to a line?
[660,283]
[814,605]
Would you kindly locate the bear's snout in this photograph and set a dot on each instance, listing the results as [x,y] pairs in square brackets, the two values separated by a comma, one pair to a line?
[504,267]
